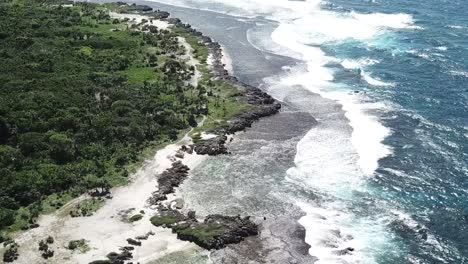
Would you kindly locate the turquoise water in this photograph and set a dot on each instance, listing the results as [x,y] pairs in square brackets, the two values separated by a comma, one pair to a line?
[426,176]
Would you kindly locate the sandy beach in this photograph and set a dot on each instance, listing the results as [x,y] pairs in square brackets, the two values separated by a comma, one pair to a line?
[108,229]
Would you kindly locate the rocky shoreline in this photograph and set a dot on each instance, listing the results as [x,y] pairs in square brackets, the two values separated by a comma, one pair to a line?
[263,104]
[215,231]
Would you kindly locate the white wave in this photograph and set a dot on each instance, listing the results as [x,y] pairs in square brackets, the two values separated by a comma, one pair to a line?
[442,48]
[419,54]
[333,230]
[394,21]
[374,81]
[459,73]
[358,64]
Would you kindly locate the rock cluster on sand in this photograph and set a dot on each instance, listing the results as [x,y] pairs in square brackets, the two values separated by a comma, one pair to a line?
[11,253]
[172,177]
[215,232]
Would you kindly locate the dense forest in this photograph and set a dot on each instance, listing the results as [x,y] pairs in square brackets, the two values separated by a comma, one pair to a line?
[81,95]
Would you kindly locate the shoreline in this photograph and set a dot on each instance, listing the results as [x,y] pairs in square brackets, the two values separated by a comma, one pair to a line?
[110,231]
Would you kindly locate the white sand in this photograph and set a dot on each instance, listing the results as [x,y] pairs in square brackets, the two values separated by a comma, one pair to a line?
[190,60]
[136,18]
[206,136]
[227,61]
[105,230]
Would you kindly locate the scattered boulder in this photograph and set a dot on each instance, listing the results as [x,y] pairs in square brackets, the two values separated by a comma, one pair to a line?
[47,254]
[155,198]
[50,240]
[80,244]
[133,242]
[119,257]
[135,218]
[145,237]
[11,253]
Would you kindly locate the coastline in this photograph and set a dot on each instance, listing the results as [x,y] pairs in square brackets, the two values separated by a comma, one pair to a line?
[111,231]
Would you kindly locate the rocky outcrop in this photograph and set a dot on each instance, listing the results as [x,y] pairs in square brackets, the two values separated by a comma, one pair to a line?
[133,242]
[117,258]
[156,198]
[11,253]
[172,178]
[212,146]
[215,232]
[262,103]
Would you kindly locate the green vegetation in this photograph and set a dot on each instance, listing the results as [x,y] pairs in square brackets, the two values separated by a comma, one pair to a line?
[202,232]
[80,245]
[165,220]
[81,96]
[223,103]
[87,207]
[85,97]
[135,218]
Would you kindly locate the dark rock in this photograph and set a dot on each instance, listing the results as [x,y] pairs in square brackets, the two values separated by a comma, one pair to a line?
[43,246]
[145,237]
[174,21]
[47,254]
[120,257]
[133,242]
[11,254]
[127,248]
[156,198]
[160,14]
[345,251]
[172,177]
[212,146]
[50,240]
[191,215]
[101,262]
[216,231]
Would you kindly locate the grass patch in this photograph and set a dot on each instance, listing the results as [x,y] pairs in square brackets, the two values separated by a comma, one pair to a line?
[137,75]
[203,232]
[135,218]
[200,51]
[80,245]
[56,201]
[165,220]
[87,207]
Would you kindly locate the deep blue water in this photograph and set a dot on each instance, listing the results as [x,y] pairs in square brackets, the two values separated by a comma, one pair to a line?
[427,174]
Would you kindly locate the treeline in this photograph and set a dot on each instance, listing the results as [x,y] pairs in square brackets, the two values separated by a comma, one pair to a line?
[81,94]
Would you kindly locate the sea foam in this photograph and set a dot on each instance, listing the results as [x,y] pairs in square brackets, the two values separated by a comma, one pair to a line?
[329,162]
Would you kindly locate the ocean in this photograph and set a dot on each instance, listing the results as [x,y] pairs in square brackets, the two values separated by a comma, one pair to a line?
[368,160]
